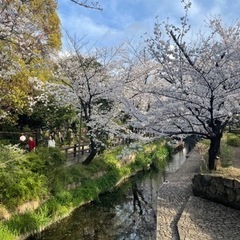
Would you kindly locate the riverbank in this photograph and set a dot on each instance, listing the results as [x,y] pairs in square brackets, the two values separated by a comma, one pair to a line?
[76,185]
[182,216]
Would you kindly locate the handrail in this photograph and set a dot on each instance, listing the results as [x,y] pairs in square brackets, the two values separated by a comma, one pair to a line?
[76,148]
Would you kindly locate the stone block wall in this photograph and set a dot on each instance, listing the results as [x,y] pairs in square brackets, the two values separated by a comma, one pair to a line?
[217,189]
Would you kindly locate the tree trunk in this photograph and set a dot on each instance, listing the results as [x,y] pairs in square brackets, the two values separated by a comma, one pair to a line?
[93,153]
[214,151]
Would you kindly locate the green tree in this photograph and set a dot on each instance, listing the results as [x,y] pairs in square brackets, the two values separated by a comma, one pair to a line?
[29,33]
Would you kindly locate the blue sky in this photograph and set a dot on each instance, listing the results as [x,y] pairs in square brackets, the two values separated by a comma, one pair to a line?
[131,19]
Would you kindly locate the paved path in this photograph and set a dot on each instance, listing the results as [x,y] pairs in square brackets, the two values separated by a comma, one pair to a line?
[71,160]
[182,216]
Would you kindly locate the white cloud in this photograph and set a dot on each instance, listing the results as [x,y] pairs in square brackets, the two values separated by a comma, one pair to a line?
[128,18]
[84,25]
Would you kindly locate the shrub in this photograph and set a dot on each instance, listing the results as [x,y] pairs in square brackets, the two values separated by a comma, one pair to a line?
[21,187]
[43,163]
[226,155]
[46,159]
[159,159]
[233,140]
[18,182]
[158,154]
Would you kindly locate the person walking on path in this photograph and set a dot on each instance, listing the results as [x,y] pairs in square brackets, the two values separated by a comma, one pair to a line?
[51,142]
[31,144]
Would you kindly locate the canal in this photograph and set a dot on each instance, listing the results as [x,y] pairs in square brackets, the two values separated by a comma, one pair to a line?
[128,213]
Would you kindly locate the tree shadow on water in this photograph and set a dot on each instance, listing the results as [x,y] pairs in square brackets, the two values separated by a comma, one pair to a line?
[138,198]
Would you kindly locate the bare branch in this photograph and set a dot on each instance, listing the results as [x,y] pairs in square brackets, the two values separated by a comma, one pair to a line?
[92,5]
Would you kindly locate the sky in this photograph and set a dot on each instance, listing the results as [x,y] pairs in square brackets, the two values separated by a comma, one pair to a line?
[132,19]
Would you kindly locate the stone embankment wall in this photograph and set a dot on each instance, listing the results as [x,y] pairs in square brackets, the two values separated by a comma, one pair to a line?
[217,189]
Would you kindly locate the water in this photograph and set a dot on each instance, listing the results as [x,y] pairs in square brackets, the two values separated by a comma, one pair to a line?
[175,163]
[129,213]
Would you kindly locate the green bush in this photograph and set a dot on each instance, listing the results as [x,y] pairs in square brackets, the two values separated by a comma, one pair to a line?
[27,176]
[142,160]
[21,187]
[46,164]
[18,183]
[160,153]
[45,160]
[10,155]
[233,140]
[226,155]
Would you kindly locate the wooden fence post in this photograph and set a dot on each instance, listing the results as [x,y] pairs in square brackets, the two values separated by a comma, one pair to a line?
[75,150]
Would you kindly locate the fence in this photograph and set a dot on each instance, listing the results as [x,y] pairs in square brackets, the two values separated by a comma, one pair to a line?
[76,149]
[14,137]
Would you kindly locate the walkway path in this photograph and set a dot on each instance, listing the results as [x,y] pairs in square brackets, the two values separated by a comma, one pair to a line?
[182,216]
[71,160]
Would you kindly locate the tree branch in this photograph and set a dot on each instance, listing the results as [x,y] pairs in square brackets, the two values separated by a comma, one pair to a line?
[92,5]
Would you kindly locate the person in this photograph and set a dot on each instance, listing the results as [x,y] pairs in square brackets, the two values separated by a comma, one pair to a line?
[22,140]
[31,144]
[51,141]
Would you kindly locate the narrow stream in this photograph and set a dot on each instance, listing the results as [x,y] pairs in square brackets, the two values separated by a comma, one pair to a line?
[129,213]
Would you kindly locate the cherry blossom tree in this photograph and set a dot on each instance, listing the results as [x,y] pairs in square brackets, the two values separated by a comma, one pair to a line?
[135,70]
[89,85]
[196,86]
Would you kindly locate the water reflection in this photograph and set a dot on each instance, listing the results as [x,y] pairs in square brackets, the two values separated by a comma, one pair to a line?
[177,160]
[129,213]
[138,198]
[136,215]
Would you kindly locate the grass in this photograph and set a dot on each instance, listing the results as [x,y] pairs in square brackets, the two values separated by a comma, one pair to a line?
[233,140]
[6,233]
[229,141]
[229,172]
